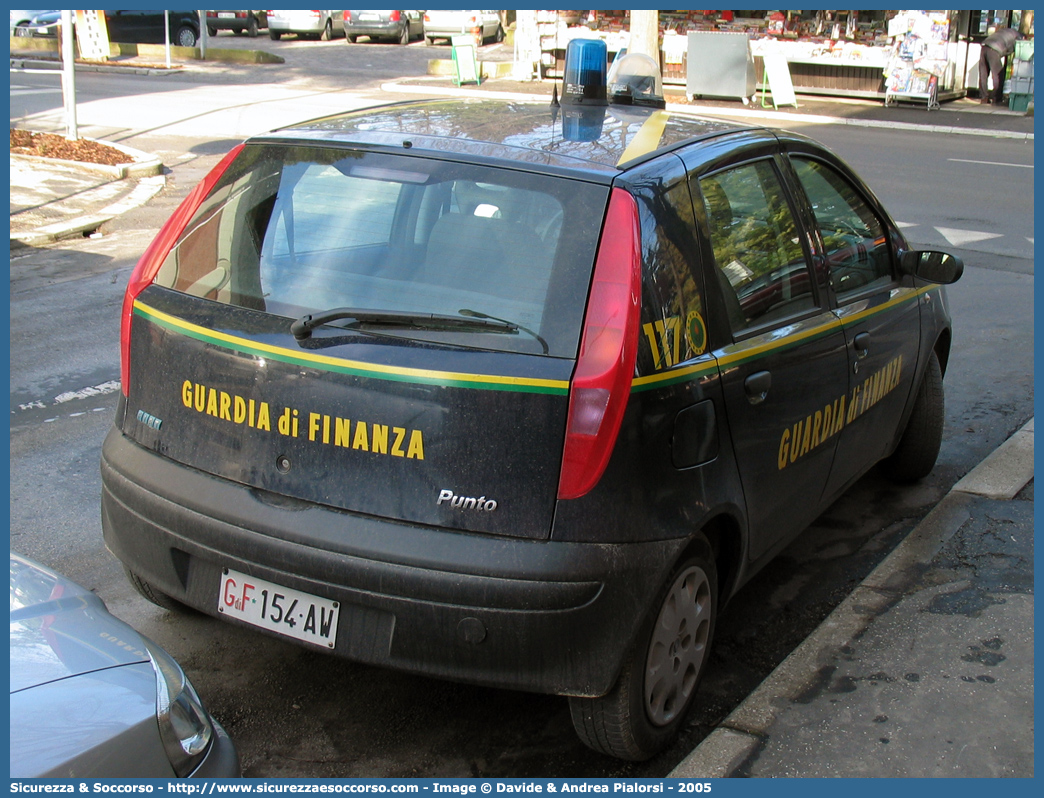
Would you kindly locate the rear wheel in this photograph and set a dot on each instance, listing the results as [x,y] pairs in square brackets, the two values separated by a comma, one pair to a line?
[252,27]
[350,39]
[499,35]
[186,36]
[404,37]
[644,710]
[157,597]
[211,31]
[429,41]
[327,33]
[918,449]
[23,30]
[274,35]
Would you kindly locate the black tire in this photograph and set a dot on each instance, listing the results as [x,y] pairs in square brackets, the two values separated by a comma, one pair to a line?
[918,449]
[274,35]
[404,37]
[643,712]
[22,30]
[429,41]
[211,31]
[157,597]
[498,37]
[327,33]
[251,30]
[350,39]
[186,36]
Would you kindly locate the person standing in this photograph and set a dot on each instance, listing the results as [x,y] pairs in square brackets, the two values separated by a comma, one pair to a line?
[997,46]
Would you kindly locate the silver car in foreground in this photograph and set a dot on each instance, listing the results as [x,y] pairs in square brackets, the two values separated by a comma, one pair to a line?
[91,698]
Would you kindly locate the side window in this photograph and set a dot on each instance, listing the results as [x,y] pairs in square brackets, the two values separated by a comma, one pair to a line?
[760,263]
[673,329]
[854,239]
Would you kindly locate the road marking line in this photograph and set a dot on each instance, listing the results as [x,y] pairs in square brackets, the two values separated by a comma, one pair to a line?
[992,163]
[961,237]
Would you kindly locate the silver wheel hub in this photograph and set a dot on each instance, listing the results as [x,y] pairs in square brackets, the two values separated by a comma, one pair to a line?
[678,646]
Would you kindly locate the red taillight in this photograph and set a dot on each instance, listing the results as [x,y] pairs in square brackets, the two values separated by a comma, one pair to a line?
[602,380]
[395,16]
[347,16]
[316,14]
[427,18]
[211,14]
[151,260]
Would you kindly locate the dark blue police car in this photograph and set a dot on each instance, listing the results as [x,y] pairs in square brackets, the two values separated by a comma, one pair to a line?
[511,393]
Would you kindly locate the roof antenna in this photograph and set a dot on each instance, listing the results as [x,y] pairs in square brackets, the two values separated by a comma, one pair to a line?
[554,96]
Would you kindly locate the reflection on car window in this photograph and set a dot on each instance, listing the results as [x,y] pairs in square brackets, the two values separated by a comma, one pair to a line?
[295,230]
[761,265]
[853,237]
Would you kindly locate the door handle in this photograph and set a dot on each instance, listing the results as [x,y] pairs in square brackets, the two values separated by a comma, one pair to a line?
[861,344]
[757,386]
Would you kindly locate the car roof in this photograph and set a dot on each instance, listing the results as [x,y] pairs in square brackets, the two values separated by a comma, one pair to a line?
[597,140]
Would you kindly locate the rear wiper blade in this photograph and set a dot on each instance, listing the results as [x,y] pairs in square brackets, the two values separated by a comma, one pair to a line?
[302,328]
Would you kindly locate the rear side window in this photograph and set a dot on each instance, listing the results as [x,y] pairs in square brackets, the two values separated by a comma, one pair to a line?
[296,230]
[760,261]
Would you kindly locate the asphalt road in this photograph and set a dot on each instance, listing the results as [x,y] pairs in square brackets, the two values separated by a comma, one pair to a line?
[297,713]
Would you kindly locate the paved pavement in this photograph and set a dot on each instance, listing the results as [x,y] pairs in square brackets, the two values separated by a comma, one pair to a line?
[927,668]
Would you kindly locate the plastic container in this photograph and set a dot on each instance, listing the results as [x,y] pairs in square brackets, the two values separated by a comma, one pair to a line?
[1024,50]
[1020,102]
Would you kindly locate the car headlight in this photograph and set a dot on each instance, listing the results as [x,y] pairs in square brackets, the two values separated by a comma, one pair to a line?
[184,725]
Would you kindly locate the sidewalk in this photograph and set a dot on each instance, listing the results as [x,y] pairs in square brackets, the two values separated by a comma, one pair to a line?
[925,670]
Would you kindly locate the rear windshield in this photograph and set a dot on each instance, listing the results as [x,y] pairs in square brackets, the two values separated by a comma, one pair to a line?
[294,230]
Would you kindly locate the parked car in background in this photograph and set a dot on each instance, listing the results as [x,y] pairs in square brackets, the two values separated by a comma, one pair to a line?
[20,21]
[306,24]
[485,25]
[248,22]
[45,24]
[91,698]
[390,26]
[138,26]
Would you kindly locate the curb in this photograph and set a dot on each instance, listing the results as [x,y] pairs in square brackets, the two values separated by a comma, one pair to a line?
[54,66]
[1001,475]
[143,165]
[707,110]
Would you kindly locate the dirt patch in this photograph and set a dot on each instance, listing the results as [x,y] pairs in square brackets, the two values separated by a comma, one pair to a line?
[51,145]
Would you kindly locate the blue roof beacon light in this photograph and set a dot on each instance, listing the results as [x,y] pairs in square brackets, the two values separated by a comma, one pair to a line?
[584,73]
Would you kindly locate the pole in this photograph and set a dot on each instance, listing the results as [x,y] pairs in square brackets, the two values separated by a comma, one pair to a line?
[166,35]
[203,34]
[69,75]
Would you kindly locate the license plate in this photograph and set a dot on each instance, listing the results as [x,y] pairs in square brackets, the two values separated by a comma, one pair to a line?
[289,612]
[226,15]
[369,17]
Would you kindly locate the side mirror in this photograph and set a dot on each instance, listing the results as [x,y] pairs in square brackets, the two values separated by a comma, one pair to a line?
[933,266]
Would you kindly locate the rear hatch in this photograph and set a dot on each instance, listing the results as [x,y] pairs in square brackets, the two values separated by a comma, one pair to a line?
[437,392]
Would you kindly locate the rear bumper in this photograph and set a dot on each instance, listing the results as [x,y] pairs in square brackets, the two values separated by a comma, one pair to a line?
[532,615]
[373,29]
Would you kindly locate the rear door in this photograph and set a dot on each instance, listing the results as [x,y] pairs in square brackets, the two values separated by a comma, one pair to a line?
[879,311]
[784,372]
[456,423]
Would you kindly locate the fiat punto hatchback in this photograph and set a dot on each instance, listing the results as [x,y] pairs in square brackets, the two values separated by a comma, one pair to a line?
[514,394]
